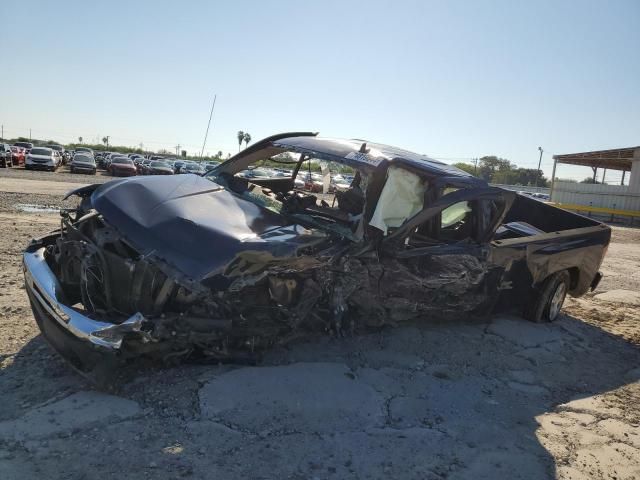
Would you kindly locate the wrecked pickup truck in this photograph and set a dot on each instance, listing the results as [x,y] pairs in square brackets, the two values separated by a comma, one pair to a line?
[224,266]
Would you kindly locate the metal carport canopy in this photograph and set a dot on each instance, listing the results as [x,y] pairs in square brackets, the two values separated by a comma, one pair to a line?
[614,159]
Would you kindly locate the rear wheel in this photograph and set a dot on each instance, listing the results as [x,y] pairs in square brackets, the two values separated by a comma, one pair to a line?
[546,302]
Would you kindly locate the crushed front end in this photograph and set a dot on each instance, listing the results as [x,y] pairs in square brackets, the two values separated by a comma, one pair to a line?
[98,300]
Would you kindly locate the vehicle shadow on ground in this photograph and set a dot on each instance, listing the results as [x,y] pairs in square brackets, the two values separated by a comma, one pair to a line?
[32,376]
[454,400]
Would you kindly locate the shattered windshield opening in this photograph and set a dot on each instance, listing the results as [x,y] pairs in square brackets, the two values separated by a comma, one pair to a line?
[312,191]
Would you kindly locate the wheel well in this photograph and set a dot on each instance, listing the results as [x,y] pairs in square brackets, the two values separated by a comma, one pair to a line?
[574,274]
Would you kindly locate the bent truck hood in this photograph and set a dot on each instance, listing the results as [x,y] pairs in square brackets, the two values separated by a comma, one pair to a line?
[193,224]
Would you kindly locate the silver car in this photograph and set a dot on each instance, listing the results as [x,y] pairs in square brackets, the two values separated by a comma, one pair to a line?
[83,163]
[41,158]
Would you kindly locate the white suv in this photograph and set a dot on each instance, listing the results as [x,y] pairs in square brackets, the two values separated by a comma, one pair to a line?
[42,158]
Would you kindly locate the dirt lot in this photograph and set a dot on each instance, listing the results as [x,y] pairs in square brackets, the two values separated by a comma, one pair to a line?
[501,399]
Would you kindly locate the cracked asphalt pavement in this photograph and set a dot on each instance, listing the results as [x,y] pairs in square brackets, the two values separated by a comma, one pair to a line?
[459,400]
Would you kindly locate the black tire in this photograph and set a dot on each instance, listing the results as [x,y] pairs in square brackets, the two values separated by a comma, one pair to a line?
[547,300]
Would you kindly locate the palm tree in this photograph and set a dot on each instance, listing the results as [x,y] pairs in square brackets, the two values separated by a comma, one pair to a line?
[240,139]
[219,154]
[105,140]
[79,139]
[247,139]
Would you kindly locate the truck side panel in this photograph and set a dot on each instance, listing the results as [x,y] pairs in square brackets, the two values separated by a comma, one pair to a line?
[547,240]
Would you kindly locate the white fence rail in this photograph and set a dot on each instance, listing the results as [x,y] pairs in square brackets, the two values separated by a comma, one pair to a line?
[522,188]
[616,197]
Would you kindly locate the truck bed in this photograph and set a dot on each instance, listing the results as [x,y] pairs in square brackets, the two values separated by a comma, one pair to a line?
[536,240]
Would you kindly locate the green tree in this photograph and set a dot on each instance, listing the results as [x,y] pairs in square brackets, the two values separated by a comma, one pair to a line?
[589,180]
[240,139]
[467,167]
[247,139]
[501,171]
[489,165]
[80,140]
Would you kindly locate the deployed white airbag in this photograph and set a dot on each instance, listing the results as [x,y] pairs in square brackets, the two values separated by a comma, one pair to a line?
[401,198]
[454,213]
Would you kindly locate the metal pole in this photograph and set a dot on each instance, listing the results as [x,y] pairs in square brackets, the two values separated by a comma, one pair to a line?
[539,163]
[604,174]
[622,181]
[553,178]
[208,124]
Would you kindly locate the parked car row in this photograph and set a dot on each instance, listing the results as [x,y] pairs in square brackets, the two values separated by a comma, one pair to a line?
[13,155]
[6,155]
[537,195]
[25,153]
[309,181]
[85,160]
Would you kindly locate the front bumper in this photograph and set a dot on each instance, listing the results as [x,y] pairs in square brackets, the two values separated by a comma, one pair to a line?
[40,165]
[86,343]
[83,168]
[123,173]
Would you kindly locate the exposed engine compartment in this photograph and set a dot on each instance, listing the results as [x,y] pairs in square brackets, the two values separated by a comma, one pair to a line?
[260,300]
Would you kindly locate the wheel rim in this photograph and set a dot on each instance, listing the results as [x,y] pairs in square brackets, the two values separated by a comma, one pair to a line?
[557,300]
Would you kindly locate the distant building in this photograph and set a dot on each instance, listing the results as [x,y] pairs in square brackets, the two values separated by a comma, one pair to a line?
[601,199]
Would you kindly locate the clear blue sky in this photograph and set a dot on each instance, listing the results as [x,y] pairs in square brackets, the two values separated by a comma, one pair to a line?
[452,79]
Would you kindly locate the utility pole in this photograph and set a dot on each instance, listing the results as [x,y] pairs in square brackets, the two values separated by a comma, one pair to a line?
[539,163]
[29,134]
[2,132]
[475,169]
[177,150]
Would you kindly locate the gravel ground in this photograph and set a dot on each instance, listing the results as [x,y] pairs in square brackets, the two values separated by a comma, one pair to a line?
[21,189]
[60,175]
[499,399]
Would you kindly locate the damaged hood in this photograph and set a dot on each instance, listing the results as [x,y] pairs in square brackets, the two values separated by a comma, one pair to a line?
[193,224]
